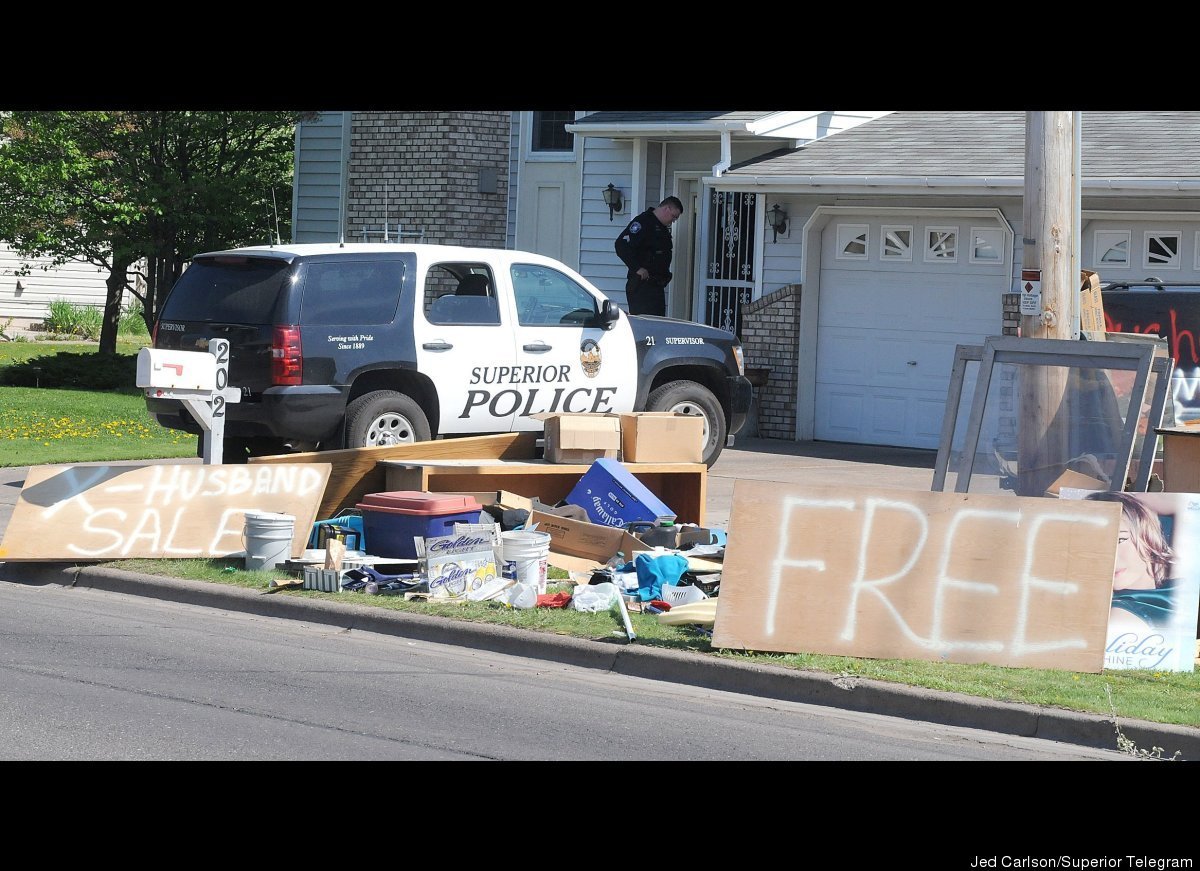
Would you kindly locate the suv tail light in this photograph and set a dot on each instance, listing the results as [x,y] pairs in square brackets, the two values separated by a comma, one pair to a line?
[287,360]
[154,335]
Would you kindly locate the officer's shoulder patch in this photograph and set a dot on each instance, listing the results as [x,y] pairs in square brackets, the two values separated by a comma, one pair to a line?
[635,226]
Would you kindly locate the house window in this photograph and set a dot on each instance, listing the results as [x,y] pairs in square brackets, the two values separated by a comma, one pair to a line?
[852,241]
[1162,249]
[987,245]
[895,242]
[1112,248]
[550,133]
[941,244]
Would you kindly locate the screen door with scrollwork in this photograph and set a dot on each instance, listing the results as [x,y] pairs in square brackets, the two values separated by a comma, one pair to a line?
[729,260]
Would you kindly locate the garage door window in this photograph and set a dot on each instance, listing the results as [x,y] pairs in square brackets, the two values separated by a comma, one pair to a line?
[1112,248]
[1162,249]
[852,240]
[941,244]
[987,245]
[895,242]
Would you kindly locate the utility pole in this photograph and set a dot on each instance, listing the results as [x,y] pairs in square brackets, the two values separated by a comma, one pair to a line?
[1049,286]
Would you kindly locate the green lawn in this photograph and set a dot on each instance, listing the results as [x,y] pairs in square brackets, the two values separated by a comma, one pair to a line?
[40,425]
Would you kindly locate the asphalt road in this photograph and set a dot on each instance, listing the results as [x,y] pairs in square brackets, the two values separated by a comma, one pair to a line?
[95,675]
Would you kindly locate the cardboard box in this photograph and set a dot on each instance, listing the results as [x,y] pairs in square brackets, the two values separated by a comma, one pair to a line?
[612,496]
[1091,307]
[580,438]
[579,546]
[662,437]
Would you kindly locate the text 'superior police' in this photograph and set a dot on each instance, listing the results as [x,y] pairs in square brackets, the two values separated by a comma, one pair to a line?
[551,391]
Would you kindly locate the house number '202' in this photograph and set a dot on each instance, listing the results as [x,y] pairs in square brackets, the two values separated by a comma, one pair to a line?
[219,348]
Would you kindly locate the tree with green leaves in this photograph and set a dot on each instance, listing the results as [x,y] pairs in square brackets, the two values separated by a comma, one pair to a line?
[142,192]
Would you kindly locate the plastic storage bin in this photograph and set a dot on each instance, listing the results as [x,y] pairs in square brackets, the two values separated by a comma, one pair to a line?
[391,520]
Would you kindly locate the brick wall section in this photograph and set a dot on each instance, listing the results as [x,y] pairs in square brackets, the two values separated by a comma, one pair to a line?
[770,338]
[1012,313]
[422,169]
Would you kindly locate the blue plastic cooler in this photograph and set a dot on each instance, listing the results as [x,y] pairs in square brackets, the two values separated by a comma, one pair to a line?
[391,520]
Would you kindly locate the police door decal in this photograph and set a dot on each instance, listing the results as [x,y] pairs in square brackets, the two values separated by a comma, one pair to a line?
[593,370]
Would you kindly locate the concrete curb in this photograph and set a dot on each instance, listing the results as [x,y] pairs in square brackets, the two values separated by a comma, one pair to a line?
[700,670]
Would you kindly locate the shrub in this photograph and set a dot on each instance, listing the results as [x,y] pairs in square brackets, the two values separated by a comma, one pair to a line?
[132,322]
[70,319]
[85,371]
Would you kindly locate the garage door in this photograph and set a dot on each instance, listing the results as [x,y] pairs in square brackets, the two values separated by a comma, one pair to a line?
[896,297]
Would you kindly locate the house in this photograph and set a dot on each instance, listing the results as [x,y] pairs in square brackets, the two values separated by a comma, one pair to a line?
[903,239]
[536,180]
[26,298]
[851,265]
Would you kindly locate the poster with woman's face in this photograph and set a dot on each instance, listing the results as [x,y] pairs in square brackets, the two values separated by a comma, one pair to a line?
[1156,581]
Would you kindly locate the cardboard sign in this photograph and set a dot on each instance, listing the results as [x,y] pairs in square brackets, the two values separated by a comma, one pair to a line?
[155,511]
[898,574]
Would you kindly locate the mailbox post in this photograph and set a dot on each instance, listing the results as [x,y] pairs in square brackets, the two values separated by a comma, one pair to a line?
[200,381]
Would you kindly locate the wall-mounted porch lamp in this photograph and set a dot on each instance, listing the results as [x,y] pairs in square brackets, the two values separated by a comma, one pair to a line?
[778,219]
[612,199]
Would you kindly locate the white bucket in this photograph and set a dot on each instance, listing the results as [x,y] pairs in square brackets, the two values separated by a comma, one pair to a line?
[526,553]
[268,539]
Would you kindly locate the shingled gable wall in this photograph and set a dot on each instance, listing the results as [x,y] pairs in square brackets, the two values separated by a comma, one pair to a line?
[430,171]
[770,336]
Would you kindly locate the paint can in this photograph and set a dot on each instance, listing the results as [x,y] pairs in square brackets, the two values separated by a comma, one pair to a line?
[267,538]
[525,554]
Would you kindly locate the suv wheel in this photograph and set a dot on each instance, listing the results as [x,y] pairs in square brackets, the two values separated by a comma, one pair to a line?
[385,417]
[688,397]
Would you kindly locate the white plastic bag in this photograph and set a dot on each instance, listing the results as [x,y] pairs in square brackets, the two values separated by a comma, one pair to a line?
[594,597]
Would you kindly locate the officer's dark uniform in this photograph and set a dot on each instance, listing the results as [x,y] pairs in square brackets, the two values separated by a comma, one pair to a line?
[646,241]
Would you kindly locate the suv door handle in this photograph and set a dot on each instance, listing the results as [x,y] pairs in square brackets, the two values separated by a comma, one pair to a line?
[537,347]
[437,346]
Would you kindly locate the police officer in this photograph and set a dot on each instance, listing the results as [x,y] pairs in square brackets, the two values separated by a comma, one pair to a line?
[645,247]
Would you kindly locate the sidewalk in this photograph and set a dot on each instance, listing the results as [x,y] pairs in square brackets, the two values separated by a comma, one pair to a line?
[759,459]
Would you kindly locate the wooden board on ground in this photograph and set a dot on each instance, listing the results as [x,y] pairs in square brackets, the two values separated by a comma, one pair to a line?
[155,511]
[682,486]
[356,471]
[854,571]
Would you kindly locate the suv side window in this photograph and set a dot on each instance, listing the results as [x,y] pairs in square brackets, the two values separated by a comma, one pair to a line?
[546,297]
[461,293]
[350,292]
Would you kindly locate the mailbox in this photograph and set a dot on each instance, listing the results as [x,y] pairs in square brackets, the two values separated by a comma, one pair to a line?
[176,370]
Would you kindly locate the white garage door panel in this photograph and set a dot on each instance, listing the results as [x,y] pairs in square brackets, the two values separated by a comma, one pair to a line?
[887,416]
[887,331]
[844,356]
[875,416]
[927,422]
[882,359]
[844,410]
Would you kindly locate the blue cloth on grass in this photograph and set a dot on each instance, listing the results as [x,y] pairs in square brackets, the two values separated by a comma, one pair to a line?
[654,571]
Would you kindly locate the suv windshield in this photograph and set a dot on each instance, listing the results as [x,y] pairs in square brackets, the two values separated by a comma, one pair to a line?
[234,290]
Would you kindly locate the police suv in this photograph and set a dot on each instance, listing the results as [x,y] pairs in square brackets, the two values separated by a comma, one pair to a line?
[351,345]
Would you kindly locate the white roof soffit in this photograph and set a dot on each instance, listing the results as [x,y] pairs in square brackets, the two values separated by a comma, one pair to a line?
[961,184]
[650,129]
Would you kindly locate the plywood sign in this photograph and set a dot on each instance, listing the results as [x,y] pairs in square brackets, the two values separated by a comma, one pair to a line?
[155,511]
[898,574]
